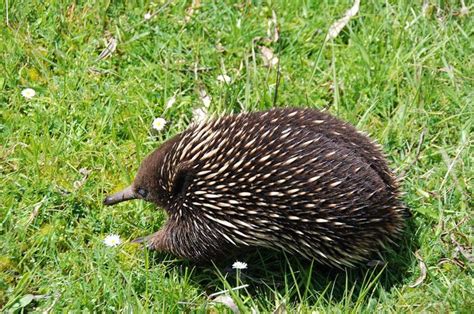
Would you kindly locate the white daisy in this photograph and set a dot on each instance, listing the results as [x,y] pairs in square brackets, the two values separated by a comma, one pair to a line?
[224,78]
[159,124]
[239,265]
[112,240]
[147,16]
[28,93]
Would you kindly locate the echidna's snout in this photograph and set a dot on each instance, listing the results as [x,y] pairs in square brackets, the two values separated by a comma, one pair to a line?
[124,195]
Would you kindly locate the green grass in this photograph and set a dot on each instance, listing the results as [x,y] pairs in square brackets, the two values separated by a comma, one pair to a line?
[393,71]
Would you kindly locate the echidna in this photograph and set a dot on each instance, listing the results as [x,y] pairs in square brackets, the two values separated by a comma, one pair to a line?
[297,180]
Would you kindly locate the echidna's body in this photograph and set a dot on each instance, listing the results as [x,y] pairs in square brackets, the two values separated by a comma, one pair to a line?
[291,179]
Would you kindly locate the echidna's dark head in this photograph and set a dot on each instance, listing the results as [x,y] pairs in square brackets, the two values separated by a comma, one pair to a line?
[146,185]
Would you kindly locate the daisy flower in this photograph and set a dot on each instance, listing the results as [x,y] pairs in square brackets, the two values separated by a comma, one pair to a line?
[147,16]
[239,265]
[159,124]
[112,240]
[28,93]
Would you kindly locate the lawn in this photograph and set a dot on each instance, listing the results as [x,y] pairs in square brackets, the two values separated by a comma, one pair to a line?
[402,71]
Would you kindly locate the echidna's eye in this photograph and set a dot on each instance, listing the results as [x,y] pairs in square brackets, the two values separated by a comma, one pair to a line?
[142,192]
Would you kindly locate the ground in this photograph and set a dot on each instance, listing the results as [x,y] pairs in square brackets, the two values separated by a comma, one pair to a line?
[401,71]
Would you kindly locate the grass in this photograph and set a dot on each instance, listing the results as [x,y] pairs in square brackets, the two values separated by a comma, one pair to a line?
[402,74]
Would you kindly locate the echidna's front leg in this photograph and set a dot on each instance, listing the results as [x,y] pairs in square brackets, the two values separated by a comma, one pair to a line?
[153,241]
[185,243]
[165,240]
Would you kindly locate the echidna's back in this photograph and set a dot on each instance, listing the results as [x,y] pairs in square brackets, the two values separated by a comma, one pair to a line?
[336,130]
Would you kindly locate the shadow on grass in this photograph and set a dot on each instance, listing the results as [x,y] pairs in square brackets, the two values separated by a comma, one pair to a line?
[295,279]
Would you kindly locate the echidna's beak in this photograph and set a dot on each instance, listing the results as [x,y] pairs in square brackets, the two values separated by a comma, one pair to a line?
[124,195]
